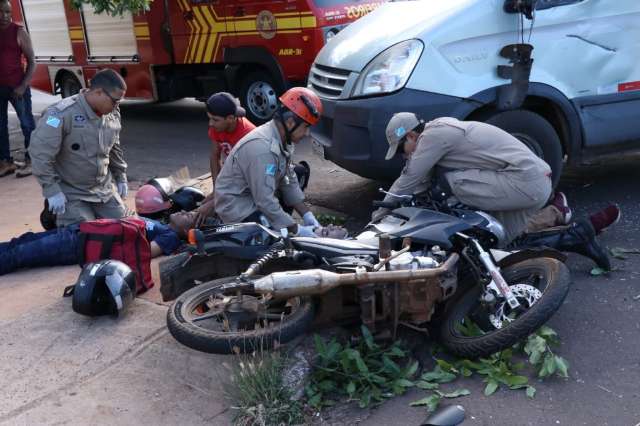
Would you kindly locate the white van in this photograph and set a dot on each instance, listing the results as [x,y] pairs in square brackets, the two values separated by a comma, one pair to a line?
[443,58]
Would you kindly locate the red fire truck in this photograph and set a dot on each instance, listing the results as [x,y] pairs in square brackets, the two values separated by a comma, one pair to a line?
[186,48]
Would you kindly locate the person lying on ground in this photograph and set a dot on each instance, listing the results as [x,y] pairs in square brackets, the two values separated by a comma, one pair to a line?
[488,169]
[59,246]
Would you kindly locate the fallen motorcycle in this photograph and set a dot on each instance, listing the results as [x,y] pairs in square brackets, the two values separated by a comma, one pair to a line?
[423,264]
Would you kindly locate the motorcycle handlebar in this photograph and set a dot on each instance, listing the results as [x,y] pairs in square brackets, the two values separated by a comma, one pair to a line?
[385,204]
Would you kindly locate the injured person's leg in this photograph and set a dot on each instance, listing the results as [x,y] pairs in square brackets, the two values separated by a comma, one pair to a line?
[577,237]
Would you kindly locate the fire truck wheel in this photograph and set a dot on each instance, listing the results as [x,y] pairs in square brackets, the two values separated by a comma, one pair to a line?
[69,85]
[259,95]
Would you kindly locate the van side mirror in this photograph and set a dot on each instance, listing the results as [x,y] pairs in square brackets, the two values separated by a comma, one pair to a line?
[526,7]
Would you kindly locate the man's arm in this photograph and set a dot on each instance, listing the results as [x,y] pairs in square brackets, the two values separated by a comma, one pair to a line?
[419,168]
[214,163]
[155,249]
[46,142]
[24,41]
[117,164]
[301,208]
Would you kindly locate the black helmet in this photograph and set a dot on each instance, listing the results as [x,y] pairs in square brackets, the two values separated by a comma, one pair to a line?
[47,219]
[187,198]
[106,287]
[303,173]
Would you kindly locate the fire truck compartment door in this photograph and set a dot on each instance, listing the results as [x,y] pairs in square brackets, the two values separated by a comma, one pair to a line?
[109,37]
[47,26]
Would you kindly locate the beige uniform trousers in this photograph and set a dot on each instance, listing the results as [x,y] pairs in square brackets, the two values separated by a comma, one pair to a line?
[77,211]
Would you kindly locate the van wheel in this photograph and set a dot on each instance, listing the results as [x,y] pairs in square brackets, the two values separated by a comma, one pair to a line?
[69,85]
[259,95]
[536,133]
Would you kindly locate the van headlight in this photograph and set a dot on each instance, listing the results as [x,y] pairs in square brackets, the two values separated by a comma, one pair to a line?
[390,70]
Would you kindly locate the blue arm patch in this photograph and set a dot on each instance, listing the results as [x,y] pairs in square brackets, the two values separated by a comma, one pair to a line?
[271,170]
[53,121]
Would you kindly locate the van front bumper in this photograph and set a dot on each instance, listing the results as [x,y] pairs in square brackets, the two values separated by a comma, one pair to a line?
[353,131]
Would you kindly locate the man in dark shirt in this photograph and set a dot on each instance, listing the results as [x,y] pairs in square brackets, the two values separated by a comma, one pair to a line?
[60,246]
[15,45]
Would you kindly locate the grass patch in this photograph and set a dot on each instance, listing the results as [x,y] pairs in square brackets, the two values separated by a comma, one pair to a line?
[259,394]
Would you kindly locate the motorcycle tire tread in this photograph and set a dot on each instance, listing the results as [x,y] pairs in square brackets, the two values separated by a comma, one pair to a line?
[234,342]
[482,346]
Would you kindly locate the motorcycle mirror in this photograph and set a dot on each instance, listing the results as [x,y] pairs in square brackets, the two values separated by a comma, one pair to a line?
[451,415]
[395,195]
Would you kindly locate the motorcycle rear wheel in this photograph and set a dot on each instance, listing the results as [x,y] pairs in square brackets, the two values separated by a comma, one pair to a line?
[197,320]
[549,276]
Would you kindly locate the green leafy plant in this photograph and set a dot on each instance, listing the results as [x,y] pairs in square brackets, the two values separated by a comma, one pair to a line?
[115,7]
[502,369]
[367,373]
[621,253]
[258,393]
[329,219]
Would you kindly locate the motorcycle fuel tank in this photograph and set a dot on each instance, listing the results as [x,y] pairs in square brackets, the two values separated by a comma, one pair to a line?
[429,227]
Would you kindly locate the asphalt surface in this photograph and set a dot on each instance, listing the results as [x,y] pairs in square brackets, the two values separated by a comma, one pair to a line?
[599,323]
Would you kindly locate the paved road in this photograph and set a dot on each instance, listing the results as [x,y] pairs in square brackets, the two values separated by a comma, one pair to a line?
[599,323]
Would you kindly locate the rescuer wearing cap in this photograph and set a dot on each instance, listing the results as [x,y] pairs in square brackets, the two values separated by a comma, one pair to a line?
[488,169]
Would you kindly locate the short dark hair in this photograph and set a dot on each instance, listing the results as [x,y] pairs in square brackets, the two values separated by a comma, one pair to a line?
[108,80]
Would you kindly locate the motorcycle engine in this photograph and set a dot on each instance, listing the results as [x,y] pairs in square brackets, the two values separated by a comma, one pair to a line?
[413,260]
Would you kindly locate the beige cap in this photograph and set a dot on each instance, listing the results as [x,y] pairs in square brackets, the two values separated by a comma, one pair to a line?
[400,124]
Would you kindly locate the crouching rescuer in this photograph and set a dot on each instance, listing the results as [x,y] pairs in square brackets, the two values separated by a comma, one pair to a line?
[487,169]
[260,167]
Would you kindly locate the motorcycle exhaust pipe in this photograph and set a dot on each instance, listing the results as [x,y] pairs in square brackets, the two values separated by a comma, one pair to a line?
[318,281]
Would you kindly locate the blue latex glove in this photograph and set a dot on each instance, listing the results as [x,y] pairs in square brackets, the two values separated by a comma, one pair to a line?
[57,203]
[306,231]
[310,220]
[123,189]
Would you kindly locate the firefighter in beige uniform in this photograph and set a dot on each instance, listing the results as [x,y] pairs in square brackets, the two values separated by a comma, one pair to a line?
[76,153]
[260,164]
[486,168]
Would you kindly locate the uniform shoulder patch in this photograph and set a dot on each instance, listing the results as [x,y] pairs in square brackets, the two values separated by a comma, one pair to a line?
[270,170]
[65,103]
[53,121]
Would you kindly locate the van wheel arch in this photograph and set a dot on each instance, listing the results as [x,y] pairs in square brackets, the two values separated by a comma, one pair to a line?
[547,102]
[532,129]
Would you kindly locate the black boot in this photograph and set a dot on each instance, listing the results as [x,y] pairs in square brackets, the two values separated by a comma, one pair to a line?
[579,237]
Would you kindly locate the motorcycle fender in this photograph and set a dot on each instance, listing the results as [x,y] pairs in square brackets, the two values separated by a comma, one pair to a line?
[530,253]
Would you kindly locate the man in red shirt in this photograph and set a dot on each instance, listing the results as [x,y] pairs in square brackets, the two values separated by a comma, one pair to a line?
[14,86]
[227,125]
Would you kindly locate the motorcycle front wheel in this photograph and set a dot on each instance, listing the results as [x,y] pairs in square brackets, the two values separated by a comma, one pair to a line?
[204,319]
[539,284]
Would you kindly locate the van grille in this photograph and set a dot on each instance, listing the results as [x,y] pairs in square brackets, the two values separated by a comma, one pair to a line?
[328,82]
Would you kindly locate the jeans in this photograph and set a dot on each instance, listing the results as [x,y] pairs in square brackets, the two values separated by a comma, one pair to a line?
[25,116]
[35,249]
